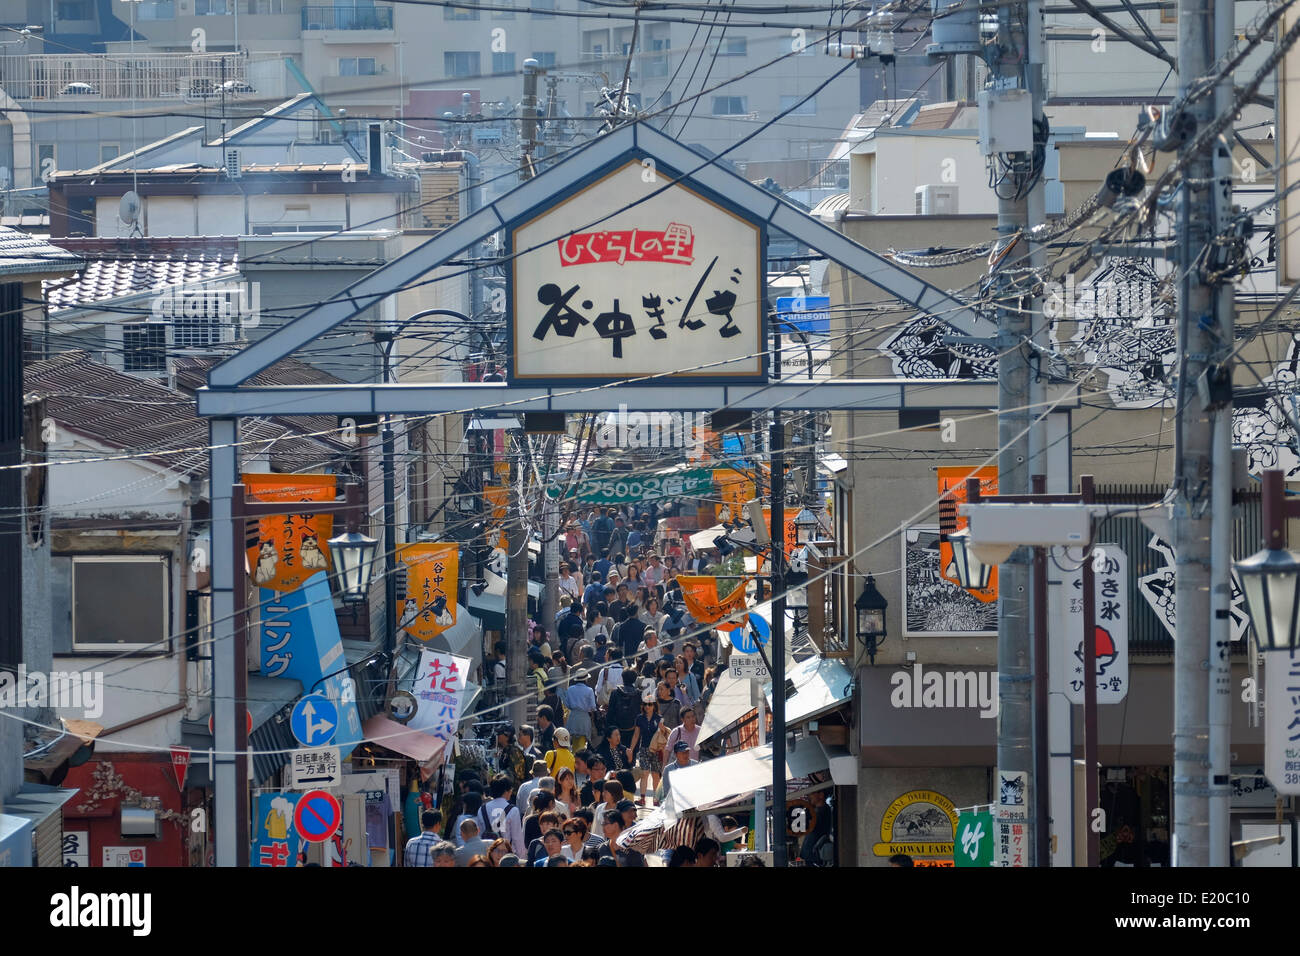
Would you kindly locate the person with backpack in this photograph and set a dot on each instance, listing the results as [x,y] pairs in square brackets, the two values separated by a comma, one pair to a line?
[601,529]
[624,706]
[503,818]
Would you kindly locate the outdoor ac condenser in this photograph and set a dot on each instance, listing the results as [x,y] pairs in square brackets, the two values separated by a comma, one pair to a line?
[936,200]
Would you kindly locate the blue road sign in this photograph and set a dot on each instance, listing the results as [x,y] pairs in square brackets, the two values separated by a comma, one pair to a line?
[314,720]
[758,632]
[317,816]
[807,313]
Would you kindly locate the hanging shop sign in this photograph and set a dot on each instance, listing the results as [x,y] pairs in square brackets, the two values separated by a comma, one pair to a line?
[974,843]
[700,592]
[289,548]
[621,489]
[1110,615]
[428,606]
[439,686]
[1282,721]
[498,497]
[920,823]
[630,275]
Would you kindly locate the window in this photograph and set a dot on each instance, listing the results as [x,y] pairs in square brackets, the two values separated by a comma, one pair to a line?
[120,602]
[658,65]
[463,63]
[503,14]
[266,6]
[274,229]
[356,66]
[211,8]
[503,62]
[807,108]
[545,60]
[1169,13]
[730,105]
[157,10]
[107,152]
[459,13]
[144,347]
[543,5]
[75,10]
[733,46]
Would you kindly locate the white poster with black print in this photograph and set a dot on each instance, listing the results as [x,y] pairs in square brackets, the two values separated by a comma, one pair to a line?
[933,606]
[1110,620]
[1157,588]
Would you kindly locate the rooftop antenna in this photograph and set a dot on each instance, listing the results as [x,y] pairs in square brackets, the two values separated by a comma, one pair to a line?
[128,211]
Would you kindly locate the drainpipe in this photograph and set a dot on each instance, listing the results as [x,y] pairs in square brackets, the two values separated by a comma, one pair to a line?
[22,127]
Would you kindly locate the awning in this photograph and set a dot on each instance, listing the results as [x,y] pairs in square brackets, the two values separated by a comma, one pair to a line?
[821,685]
[741,773]
[271,740]
[732,699]
[703,540]
[386,732]
[464,638]
[37,802]
[491,608]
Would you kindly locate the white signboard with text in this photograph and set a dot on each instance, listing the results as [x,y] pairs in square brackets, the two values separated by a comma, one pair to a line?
[607,288]
[1110,616]
[1282,721]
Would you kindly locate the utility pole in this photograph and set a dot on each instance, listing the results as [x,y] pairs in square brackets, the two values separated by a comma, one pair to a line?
[528,120]
[1219,713]
[1200,334]
[777,662]
[516,602]
[1015,91]
[553,557]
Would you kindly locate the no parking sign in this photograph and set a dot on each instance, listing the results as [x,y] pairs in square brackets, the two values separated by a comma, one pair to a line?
[317,816]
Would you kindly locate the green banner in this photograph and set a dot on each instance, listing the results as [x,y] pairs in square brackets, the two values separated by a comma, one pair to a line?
[973,841]
[620,489]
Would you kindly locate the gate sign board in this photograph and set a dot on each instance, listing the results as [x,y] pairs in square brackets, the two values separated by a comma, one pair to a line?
[669,286]
[1282,721]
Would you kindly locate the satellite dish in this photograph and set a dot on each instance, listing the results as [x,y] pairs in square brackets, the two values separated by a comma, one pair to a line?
[128,210]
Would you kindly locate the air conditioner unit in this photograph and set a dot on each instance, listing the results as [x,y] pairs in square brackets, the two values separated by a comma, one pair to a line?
[233,169]
[936,200]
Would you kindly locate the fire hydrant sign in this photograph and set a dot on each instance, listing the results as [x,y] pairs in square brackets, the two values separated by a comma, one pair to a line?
[1282,721]
[1110,616]
[637,275]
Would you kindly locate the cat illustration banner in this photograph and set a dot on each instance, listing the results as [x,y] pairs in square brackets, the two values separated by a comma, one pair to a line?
[289,548]
[428,606]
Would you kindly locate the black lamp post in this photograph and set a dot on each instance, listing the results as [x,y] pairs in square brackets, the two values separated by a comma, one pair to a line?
[1271,577]
[871,606]
[354,557]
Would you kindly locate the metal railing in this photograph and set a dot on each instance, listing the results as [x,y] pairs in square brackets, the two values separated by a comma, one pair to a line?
[347,18]
[110,77]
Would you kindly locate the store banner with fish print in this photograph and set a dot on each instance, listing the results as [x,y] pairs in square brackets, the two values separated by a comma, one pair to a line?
[289,548]
[428,606]
[734,488]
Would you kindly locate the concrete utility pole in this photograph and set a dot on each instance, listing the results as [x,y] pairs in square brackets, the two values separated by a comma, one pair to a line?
[1015,88]
[1199,333]
[516,603]
[553,557]
[528,120]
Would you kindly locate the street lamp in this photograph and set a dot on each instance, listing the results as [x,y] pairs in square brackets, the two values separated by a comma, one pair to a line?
[1271,576]
[972,573]
[806,526]
[871,606]
[354,555]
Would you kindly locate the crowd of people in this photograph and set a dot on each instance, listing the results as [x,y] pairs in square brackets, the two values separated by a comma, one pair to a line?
[622,678]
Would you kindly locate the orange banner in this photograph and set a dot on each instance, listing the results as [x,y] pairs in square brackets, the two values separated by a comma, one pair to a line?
[700,591]
[734,489]
[289,548]
[952,484]
[429,605]
[498,496]
[791,534]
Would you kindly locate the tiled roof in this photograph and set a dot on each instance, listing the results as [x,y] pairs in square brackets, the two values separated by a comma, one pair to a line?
[23,254]
[192,374]
[138,415]
[116,268]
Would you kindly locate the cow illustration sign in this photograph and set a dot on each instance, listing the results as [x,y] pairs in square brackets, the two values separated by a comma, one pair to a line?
[637,275]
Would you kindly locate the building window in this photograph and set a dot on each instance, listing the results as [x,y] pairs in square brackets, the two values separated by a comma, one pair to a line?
[503,14]
[733,46]
[503,62]
[266,6]
[730,105]
[199,332]
[75,10]
[806,108]
[211,8]
[275,229]
[538,5]
[545,60]
[107,152]
[356,66]
[144,347]
[460,63]
[1169,13]
[157,10]
[658,65]
[120,602]
[459,13]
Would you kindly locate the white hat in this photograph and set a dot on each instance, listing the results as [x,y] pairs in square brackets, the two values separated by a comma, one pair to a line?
[562,737]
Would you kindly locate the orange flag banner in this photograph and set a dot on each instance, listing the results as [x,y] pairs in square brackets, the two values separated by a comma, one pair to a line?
[700,591]
[289,548]
[429,605]
[952,484]
[498,496]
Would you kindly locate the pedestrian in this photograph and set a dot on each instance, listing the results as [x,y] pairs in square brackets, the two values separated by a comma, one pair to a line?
[681,757]
[669,701]
[575,839]
[901,860]
[611,678]
[686,680]
[443,854]
[707,852]
[528,744]
[624,707]
[581,701]
[546,728]
[566,791]
[648,747]
[613,827]
[419,850]
[543,807]
[497,850]
[472,804]
[471,844]
[537,664]
[526,789]
[687,732]
[561,755]
[503,816]
[567,583]
[614,753]
[509,755]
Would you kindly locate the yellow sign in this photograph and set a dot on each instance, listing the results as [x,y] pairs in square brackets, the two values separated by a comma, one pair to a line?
[429,605]
[920,823]
[289,548]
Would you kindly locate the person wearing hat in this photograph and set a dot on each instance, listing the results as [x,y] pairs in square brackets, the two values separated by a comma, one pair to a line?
[581,701]
[510,756]
[567,583]
[562,755]
[681,758]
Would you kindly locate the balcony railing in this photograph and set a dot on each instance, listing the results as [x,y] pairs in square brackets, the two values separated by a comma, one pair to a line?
[347,18]
[61,76]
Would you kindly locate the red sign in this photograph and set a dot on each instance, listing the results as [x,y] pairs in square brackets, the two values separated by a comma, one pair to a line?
[676,244]
[248,714]
[317,816]
[180,765]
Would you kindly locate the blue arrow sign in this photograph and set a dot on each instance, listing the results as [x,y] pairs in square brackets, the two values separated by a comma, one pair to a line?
[313,720]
